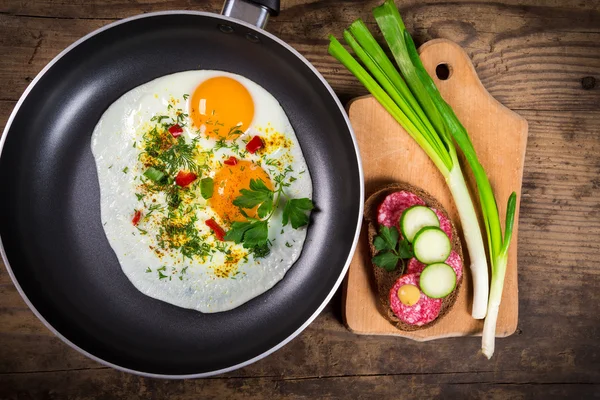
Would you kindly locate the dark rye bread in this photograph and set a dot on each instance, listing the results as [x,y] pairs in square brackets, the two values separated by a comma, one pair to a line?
[384,279]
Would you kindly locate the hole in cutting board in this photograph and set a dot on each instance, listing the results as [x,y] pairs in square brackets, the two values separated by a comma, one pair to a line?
[443,71]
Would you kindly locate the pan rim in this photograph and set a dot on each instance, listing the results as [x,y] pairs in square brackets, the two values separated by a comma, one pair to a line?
[358,223]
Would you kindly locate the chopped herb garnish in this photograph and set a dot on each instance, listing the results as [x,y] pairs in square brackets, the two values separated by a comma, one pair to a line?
[261,251]
[154,174]
[206,187]
[125,170]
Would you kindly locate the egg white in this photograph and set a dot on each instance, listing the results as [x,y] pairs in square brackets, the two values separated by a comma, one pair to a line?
[115,145]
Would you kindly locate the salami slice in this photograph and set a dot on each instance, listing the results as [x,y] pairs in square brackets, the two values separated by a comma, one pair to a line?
[416,267]
[423,312]
[456,263]
[393,206]
[445,224]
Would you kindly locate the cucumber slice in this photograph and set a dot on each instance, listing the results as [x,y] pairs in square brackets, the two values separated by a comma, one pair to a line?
[437,280]
[416,218]
[431,245]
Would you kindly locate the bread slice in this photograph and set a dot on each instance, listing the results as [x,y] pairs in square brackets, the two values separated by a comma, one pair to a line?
[384,279]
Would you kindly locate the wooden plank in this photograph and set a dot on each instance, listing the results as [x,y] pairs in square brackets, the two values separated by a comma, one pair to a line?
[112,384]
[390,155]
[342,11]
[541,52]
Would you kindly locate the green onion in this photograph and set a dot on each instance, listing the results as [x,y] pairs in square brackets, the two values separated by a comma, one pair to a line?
[411,97]
[498,246]
[154,174]
[499,261]
[436,143]
[393,29]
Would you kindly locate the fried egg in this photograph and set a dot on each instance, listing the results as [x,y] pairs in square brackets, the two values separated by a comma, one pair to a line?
[189,166]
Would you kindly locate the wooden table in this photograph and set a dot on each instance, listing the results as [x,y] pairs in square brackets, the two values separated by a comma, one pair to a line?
[540,58]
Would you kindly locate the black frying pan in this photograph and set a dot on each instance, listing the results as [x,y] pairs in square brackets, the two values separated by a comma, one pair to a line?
[53,243]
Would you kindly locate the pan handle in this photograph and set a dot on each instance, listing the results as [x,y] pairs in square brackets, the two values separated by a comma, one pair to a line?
[255,12]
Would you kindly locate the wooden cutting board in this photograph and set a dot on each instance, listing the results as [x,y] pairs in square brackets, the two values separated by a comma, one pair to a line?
[389,155]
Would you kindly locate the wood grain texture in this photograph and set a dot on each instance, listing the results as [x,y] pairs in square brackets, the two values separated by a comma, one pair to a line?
[542,49]
[547,47]
[389,155]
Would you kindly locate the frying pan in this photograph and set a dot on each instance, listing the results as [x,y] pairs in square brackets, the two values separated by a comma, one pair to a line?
[52,240]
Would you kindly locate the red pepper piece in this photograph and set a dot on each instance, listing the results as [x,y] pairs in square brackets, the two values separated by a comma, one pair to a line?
[176,130]
[255,144]
[219,232]
[136,217]
[230,161]
[184,178]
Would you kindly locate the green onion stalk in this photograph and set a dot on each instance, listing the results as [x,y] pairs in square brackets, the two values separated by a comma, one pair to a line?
[497,245]
[411,97]
[391,90]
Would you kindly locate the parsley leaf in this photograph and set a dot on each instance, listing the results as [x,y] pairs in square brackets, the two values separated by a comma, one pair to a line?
[390,249]
[257,235]
[389,236]
[295,212]
[265,208]
[380,244]
[386,260]
[237,230]
[404,249]
[254,234]
[259,193]
[259,185]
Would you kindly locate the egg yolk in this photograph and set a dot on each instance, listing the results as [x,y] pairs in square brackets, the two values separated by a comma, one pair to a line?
[409,294]
[228,183]
[222,106]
